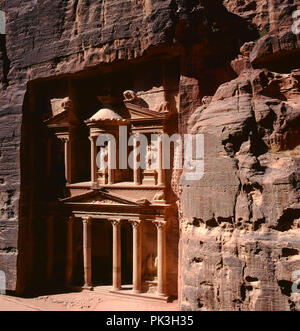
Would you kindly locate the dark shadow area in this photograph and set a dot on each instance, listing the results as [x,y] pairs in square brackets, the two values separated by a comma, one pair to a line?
[4,62]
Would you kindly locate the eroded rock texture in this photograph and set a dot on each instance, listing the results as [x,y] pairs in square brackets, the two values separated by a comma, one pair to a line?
[240,222]
[242,236]
[237,78]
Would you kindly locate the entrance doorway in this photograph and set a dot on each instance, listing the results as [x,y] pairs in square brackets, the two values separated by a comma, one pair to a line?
[126,253]
[101,253]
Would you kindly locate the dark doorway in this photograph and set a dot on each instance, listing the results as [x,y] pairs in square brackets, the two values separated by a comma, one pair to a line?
[101,253]
[126,256]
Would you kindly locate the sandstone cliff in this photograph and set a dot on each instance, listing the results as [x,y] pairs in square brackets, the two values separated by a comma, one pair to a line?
[238,83]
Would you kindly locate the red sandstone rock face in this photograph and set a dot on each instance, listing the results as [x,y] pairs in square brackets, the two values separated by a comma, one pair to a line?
[240,223]
[242,236]
[239,240]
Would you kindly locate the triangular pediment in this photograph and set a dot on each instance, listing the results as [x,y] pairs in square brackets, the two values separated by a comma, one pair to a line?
[96,197]
[138,112]
[59,120]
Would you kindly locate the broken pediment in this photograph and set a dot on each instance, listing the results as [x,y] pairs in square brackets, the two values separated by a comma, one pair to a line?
[59,105]
[60,113]
[137,109]
[60,120]
[138,112]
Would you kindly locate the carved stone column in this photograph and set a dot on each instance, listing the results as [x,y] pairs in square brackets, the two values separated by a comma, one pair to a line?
[160,171]
[93,140]
[70,250]
[116,286]
[160,225]
[65,139]
[111,172]
[136,272]
[87,252]
[50,247]
[67,159]
[136,170]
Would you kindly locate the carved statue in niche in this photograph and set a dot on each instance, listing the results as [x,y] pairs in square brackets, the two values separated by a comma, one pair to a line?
[149,156]
[103,170]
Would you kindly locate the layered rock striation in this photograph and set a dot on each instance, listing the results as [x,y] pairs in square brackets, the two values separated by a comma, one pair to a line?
[238,82]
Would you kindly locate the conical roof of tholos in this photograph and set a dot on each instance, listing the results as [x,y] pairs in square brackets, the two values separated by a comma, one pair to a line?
[105,114]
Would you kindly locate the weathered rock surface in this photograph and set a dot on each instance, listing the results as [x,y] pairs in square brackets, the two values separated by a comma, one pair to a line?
[239,242]
[240,222]
[242,236]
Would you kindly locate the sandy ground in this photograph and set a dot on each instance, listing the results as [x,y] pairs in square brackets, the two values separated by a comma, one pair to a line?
[83,301]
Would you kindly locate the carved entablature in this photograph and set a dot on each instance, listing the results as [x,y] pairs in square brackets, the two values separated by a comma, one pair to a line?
[59,122]
[61,118]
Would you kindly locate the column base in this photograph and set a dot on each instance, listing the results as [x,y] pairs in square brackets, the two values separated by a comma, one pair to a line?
[116,289]
[87,288]
[79,288]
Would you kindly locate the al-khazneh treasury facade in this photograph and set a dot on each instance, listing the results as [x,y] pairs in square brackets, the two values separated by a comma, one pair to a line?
[120,225]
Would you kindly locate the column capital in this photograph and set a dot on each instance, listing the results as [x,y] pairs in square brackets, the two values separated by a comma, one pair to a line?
[135,223]
[71,219]
[93,138]
[159,223]
[63,137]
[86,219]
[115,222]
